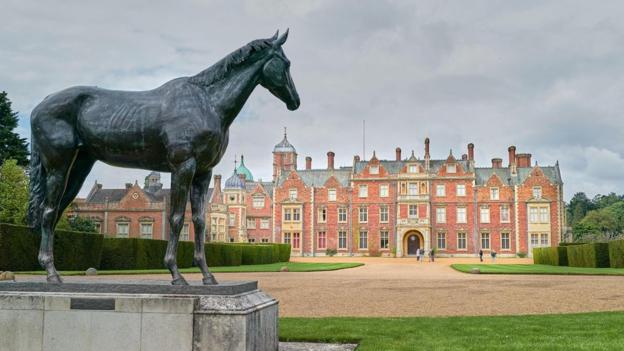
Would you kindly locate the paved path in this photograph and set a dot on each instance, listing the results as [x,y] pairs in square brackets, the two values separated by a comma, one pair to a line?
[404,287]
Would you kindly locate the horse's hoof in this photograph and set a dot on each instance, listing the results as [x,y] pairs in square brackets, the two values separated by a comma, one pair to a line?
[179,281]
[210,281]
[54,279]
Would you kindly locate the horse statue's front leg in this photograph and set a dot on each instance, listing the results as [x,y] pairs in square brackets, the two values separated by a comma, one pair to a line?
[199,190]
[181,179]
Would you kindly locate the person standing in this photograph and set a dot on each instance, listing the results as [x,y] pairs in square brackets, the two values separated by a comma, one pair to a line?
[481,255]
[493,254]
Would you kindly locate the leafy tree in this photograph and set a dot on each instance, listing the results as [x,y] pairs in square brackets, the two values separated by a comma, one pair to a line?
[13,193]
[578,208]
[11,145]
[601,224]
[603,201]
[82,224]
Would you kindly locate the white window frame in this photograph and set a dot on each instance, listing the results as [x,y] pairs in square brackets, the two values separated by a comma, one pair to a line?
[322,215]
[410,213]
[507,241]
[537,192]
[384,190]
[460,189]
[342,240]
[505,209]
[363,190]
[384,216]
[440,214]
[363,242]
[363,214]
[484,215]
[331,194]
[412,169]
[185,233]
[231,220]
[544,214]
[462,237]
[533,214]
[296,214]
[412,188]
[265,223]
[462,215]
[373,170]
[494,193]
[321,239]
[292,194]
[440,190]
[384,240]
[441,239]
[251,221]
[150,233]
[485,238]
[342,215]
[122,233]
[258,201]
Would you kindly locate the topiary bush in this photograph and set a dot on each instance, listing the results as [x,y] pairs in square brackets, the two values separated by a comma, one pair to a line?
[616,253]
[594,255]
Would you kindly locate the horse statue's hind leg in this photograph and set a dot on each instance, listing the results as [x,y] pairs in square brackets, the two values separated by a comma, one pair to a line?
[181,179]
[198,204]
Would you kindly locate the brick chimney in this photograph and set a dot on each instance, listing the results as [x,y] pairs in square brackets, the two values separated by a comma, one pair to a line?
[330,159]
[523,160]
[356,158]
[512,155]
[308,162]
[427,155]
[497,162]
[397,152]
[471,152]
[217,197]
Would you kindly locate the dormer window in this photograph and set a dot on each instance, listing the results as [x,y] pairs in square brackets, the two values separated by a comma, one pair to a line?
[452,168]
[373,170]
[258,201]
[413,169]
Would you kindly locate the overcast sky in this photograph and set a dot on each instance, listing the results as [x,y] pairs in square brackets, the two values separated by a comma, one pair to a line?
[545,76]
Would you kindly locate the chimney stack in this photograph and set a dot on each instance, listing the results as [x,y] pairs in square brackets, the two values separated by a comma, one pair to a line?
[512,155]
[427,148]
[464,157]
[128,185]
[497,162]
[217,182]
[356,158]
[398,153]
[471,152]
[308,162]
[330,159]
[523,160]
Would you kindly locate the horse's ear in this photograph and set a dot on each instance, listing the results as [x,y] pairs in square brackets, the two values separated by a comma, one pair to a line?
[275,35]
[281,40]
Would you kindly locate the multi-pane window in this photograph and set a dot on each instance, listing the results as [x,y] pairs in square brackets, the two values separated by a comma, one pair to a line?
[441,215]
[544,214]
[363,214]
[461,241]
[331,195]
[287,237]
[342,214]
[251,223]
[258,201]
[292,194]
[363,240]
[533,215]
[494,194]
[146,230]
[440,190]
[322,240]
[383,239]
[461,215]
[184,235]
[441,240]
[537,192]
[505,242]
[383,214]
[485,240]
[123,229]
[413,169]
[461,189]
[322,215]
[287,214]
[412,211]
[296,214]
[231,220]
[363,191]
[504,214]
[296,240]
[412,189]
[342,240]
[544,239]
[264,223]
[484,214]
[534,240]
[265,240]
[383,190]
[373,170]
[451,168]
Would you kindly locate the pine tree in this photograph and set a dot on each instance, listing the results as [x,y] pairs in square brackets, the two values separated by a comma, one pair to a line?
[11,145]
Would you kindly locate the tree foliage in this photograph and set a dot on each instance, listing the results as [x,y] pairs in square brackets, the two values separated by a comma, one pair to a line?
[601,224]
[578,208]
[82,224]
[13,193]
[12,146]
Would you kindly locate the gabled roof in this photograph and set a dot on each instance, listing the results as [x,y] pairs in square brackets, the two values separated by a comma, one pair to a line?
[484,173]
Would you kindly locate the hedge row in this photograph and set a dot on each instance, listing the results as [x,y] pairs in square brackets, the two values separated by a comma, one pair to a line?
[554,256]
[616,253]
[594,255]
[78,251]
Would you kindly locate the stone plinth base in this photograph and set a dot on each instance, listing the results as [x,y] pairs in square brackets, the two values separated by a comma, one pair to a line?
[136,316]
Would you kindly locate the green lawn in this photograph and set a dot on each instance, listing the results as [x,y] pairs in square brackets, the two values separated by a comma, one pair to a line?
[589,331]
[272,267]
[536,269]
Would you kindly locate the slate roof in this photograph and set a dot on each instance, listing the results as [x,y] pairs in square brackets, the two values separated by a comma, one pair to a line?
[234,182]
[394,167]
[318,177]
[115,195]
[251,186]
[484,173]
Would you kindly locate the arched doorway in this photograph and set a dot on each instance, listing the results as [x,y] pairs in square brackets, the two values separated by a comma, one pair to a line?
[412,241]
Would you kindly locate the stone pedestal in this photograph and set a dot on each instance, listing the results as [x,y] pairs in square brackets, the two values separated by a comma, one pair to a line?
[136,316]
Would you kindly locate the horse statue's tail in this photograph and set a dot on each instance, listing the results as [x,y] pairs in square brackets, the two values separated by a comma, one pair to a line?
[37,188]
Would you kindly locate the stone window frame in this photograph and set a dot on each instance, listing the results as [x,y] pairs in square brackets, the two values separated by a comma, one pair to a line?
[340,209]
[293,194]
[124,221]
[409,211]
[363,190]
[536,192]
[342,236]
[464,239]
[483,238]
[465,216]
[384,190]
[363,238]
[251,220]
[460,193]
[481,214]
[507,211]
[502,241]
[322,214]
[494,193]
[144,224]
[262,223]
[331,194]
[255,201]
[441,238]
[383,214]
[363,214]
[440,213]
[384,239]
[440,190]
[321,238]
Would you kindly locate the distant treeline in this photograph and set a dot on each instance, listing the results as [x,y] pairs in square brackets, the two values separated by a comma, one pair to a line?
[597,219]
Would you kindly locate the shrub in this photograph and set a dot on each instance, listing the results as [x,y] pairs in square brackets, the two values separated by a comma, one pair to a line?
[616,253]
[284,252]
[554,256]
[589,255]
[331,252]
[521,254]
[19,248]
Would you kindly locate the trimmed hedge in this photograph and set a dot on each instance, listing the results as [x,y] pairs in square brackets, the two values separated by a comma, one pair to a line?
[571,244]
[554,256]
[616,253]
[284,252]
[221,254]
[594,255]
[19,248]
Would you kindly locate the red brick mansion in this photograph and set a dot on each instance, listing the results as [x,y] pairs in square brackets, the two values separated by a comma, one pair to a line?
[371,207]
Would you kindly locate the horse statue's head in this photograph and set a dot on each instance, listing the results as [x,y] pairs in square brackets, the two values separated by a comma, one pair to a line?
[276,74]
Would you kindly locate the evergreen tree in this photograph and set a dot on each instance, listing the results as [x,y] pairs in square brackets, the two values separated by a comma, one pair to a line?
[578,208]
[11,145]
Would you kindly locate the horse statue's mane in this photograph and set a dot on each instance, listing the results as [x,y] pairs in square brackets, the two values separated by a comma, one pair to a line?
[239,56]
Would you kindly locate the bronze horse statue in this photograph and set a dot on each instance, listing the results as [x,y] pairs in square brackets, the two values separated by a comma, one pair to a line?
[180,127]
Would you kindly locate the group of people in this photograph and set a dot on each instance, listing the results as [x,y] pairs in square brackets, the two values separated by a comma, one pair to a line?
[492,253]
[420,255]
